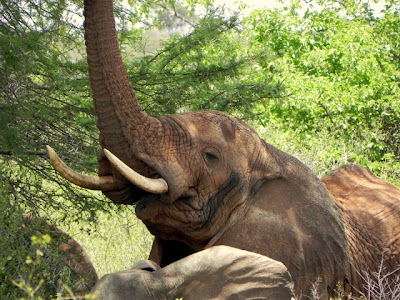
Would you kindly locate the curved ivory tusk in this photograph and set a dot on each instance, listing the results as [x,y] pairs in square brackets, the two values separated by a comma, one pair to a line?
[103,183]
[151,185]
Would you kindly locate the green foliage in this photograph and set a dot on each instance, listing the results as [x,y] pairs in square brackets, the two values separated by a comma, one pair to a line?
[208,69]
[44,99]
[30,286]
[32,266]
[342,79]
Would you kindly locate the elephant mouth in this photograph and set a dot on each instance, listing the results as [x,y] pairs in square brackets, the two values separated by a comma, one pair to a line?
[108,182]
[156,204]
[151,207]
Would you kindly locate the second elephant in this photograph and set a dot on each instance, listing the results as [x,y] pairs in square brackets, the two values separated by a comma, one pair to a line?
[220,272]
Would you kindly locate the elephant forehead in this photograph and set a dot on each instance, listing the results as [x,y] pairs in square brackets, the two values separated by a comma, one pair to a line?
[223,272]
[212,125]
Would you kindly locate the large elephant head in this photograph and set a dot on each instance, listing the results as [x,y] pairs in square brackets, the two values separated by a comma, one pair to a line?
[209,178]
[219,272]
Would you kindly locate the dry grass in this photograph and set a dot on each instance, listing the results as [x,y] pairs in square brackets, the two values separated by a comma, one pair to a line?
[380,285]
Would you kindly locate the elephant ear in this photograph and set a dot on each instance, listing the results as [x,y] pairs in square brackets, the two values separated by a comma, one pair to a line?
[146,265]
[367,198]
[291,218]
[371,208]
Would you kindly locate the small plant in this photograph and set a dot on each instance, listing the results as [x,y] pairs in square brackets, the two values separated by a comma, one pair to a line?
[34,264]
[382,284]
[31,284]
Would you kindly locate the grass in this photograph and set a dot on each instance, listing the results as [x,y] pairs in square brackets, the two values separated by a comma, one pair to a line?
[116,243]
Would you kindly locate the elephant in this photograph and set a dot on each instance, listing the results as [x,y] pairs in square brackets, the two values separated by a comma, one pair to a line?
[64,253]
[202,179]
[219,272]
[371,215]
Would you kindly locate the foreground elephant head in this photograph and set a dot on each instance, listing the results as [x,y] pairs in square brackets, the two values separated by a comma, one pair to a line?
[219,272]
[208,177]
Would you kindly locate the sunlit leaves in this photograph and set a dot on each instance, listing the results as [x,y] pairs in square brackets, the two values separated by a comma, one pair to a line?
[44,99]
[211,68]
[342,74]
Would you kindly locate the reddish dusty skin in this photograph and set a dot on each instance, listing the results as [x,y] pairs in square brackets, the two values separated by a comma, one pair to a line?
[371,210]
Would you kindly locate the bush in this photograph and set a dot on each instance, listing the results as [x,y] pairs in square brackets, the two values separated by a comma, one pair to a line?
[35,263]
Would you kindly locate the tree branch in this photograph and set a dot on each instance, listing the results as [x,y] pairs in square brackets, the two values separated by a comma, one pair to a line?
[327,112]
[28,152]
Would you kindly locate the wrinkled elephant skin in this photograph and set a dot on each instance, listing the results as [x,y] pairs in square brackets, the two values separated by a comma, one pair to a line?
[371,213]
[219,272]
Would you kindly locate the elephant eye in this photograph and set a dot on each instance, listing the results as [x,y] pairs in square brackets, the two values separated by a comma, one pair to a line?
[211,155]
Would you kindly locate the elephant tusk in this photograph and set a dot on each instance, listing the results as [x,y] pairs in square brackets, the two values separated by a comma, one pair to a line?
[151,185]
[103,183]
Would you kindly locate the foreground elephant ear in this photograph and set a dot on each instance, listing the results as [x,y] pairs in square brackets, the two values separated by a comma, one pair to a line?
[220,272]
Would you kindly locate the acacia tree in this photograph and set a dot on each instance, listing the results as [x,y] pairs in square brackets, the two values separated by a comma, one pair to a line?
[43,99]
[342,76]
[46,96]
[46,99]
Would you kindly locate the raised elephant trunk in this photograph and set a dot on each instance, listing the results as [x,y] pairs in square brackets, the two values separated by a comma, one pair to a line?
[138,140]
[120,118]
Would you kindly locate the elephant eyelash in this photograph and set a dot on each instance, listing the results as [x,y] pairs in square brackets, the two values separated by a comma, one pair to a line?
[210,156]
